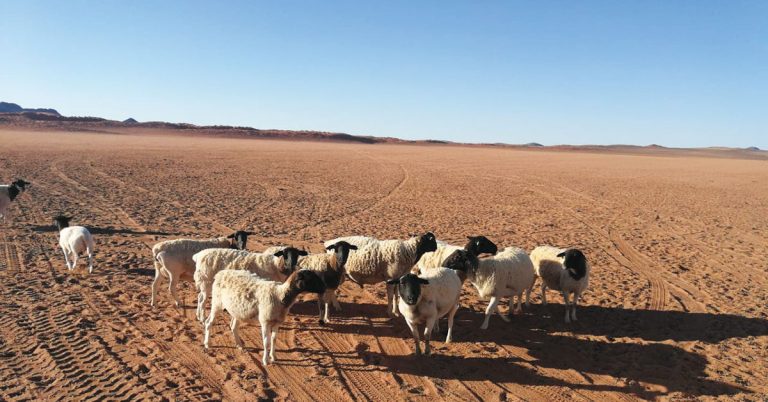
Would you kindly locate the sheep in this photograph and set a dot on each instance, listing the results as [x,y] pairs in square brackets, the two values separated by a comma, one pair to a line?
[426,298]
[173,259]
[382,260]
[330,268]
[248,298]
[358,241]
[564,270]
[74,240]
[9,192]
[273,266]
[508,273]
[475,244]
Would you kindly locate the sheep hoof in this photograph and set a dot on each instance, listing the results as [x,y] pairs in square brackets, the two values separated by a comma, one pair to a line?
[505,317]
[322,322]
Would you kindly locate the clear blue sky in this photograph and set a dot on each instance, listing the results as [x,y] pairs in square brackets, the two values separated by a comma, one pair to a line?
[676,73]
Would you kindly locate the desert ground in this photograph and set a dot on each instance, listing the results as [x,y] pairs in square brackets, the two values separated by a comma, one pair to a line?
[677,306]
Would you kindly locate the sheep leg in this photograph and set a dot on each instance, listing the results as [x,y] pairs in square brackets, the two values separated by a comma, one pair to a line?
[266,338]
[66,257]
[392,302]
[74,260]
[272,343]
[215,308]
[436,328]
[451,313]
[565,299]
[528,297]
[336,304]
[200,303]
[320,304]
[172,288]
[543,294]
[415,332]
[428,335]
[492,305]
[510,304]
[234,325]
[327,314]
[519,308]
[573,308]
[90,260]
[155,285]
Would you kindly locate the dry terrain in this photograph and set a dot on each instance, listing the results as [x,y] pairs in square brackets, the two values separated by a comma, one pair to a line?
[677,307]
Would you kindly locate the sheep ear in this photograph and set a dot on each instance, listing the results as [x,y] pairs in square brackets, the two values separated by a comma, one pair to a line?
[561,255]
[303,252]
[393,281]
[250,233]
[279,253]
[423,281]
[331,247]
[353,247]
[232,236]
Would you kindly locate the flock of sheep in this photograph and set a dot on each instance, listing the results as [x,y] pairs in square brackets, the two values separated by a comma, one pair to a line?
[423,276]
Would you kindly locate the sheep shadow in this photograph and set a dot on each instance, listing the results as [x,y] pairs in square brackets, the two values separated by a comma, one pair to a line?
[539,331]
[109,230]
[650,325]
[141,271]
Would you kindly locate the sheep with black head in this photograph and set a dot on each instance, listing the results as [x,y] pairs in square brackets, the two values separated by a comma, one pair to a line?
[8,193]
[564,270]
[426,298]
[74,240]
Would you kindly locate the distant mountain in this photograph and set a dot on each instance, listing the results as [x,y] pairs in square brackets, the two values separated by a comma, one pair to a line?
[130,120]
[7,107]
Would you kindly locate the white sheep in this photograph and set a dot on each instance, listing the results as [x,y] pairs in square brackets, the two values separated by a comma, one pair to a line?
[475,244]
[564,270]
[426,298]
[358,241]
[331,269]
[74,240]
[9,192]
[248,298]
[506,274]
[173,259]
[273,266]
[382,260]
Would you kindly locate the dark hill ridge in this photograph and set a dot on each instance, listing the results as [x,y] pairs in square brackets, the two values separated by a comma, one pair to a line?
[7,107]
[14,116]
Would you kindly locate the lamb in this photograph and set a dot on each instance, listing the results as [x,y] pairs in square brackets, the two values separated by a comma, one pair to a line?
[74,240]
[565,270]
[508,273]
[382,260]
[248,298]
[426,298]
[475,244]
[9,192]
[273,266]
[173,259]
[330,268]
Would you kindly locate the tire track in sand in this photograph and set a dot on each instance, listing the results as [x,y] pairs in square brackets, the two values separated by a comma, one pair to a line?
[314,227]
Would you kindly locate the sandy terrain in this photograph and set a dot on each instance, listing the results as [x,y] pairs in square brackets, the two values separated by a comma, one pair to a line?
[677,307]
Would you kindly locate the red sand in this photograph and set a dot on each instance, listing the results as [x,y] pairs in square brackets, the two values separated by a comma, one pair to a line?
[677,306]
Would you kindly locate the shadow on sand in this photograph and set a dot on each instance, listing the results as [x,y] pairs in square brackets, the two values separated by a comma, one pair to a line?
[644,360]
[106,230]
